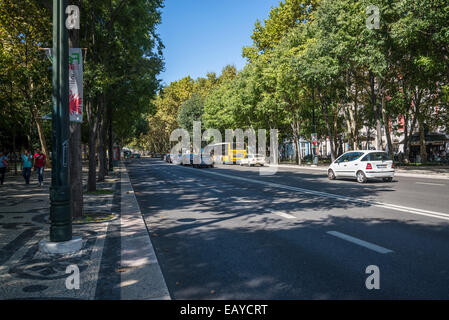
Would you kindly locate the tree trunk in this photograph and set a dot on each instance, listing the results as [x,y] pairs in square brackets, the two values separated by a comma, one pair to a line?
[329,132]
[295,129]
[40,132]
[376,111]
[76,170]
[422,141]
[75,161]
[407,143]
[91,179]
[349,127]
[102,165]
[386,119]
[420,118]
[354,117]
[351,113]
[110,139]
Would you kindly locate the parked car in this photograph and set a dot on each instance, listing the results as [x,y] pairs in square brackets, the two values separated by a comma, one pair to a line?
[252,160]
[362,165]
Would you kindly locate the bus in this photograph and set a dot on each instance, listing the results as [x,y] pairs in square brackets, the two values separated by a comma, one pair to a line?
[230,153]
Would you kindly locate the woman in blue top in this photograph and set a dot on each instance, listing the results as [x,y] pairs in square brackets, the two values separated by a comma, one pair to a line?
[27,164]
[3,165]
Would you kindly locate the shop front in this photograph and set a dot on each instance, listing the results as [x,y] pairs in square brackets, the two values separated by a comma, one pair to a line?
[437,148]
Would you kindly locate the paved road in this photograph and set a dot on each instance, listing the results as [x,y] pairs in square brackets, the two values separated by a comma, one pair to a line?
[229,233]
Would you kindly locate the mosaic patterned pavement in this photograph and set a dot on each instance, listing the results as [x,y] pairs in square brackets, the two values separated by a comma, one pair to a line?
[27,273]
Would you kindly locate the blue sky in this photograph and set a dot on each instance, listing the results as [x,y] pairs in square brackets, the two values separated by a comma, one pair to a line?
[203,36]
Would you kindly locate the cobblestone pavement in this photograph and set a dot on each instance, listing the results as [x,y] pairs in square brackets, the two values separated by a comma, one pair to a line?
[27,273]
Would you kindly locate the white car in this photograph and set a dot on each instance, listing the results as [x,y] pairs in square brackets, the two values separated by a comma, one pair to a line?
[252,160]
[362,165]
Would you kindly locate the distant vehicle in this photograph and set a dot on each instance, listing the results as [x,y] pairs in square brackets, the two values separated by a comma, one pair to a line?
[167,158]
[135,155]
[176,158]
[206,162]
[252,160]
[230,153]
[362,165]
[186,159]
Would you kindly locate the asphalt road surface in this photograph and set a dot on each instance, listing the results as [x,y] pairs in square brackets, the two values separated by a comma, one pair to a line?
[231,233]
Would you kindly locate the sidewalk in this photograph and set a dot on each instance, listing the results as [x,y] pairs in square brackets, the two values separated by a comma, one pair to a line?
[117,260]
[412,172]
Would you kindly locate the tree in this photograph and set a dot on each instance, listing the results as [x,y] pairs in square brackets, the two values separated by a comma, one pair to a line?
[25,86]
[280,21]
[190,111]
[121,68]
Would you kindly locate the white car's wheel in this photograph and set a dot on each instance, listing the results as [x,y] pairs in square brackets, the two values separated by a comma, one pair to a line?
[361,177]
[331,174]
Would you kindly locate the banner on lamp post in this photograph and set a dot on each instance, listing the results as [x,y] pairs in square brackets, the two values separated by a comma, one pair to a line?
[314,139]
[75,83]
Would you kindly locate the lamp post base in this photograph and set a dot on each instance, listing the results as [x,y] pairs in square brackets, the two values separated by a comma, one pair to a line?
[70,246]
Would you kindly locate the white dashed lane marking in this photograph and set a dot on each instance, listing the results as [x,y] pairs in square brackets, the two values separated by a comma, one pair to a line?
[360,242]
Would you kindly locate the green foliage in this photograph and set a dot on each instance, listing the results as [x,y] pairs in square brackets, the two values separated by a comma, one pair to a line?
[25,85]
[319,58]
[280,21]
[190,111]
[124,56]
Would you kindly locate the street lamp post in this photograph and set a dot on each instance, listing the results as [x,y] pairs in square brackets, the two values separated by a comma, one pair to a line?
[60,210]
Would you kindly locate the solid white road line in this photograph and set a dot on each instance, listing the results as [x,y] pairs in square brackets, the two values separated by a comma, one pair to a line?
[359,242]
[422,212]
[284,215]
[431,184]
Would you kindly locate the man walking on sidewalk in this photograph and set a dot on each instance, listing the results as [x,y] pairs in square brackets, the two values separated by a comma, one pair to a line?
[26,167]
[3,165]
[39,165]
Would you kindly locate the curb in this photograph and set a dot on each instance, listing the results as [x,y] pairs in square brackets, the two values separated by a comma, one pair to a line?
[142,278]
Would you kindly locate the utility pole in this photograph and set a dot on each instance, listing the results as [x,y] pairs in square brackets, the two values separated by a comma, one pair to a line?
[60,210]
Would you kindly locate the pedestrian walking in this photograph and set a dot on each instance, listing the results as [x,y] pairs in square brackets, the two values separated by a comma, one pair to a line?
[39,165]
[3,166]
[27,163]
